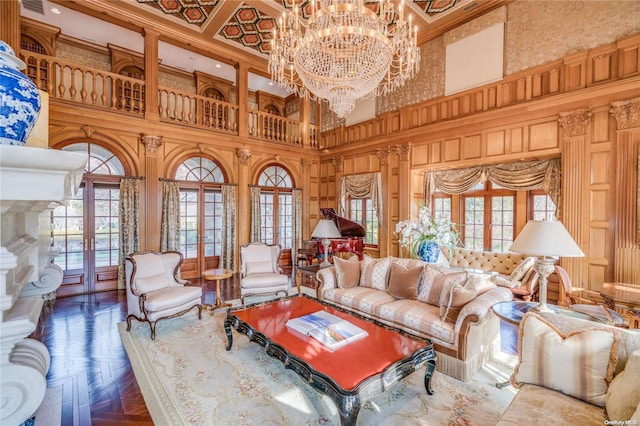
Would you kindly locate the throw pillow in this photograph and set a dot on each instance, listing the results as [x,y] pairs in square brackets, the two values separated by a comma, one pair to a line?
[151,283]
[518,273]
[347,271]
[404,282]
[455,295]
[623,395]
[375,272]
[636,415]
[259,267]
[579,364]
[429,275]
[503,281]
[444,281]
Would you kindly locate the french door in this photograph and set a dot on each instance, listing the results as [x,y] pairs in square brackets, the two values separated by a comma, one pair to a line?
[200,230]
[86,234]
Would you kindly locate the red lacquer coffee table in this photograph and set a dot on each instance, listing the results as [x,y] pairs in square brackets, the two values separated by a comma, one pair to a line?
[349,375]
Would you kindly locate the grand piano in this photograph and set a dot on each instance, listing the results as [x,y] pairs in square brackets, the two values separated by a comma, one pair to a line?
[352,240]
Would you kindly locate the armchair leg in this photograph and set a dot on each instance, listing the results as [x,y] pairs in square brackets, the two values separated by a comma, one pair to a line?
[129,317]
[153,329]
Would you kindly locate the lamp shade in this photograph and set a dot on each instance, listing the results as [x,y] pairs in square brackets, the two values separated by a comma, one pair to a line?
[326,229]
[546,238]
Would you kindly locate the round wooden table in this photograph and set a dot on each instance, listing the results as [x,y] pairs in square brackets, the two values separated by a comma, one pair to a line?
[216,275]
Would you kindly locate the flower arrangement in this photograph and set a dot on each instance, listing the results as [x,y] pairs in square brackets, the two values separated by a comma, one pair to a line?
[413,232]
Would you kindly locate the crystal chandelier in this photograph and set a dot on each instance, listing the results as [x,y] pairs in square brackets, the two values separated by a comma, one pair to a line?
[346,50]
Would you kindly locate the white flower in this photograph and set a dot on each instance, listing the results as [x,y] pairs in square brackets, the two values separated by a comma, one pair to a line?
[411,233]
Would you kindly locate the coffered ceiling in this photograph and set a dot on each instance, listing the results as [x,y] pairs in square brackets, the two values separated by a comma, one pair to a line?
[240,30]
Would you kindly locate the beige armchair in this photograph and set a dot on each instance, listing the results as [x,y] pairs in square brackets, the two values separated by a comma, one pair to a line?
[259,270]
[155,292]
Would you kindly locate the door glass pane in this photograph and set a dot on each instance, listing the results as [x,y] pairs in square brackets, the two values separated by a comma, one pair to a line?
[370,223]
[106,229]
[442,207]
[212,223]
[68,232]
[502,216]
[474,223]
[285,228]
[266,212]
[543,208]
[189,223]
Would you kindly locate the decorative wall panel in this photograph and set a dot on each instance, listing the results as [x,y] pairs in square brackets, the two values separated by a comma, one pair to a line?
[543,136]
[496,143]
[472,147]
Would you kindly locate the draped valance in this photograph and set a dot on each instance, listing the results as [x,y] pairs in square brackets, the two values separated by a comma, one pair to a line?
[367,185]
[527,175]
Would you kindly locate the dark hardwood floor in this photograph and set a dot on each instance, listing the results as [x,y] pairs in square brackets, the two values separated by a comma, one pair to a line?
[89,362]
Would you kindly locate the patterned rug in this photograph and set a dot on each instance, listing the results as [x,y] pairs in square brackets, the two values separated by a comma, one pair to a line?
[188,378]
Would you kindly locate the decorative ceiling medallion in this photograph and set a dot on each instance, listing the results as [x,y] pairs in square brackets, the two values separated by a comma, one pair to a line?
[435,6]
[191,11]
[251,28]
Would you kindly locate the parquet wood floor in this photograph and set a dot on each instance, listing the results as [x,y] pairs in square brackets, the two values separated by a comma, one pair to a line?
[89,362]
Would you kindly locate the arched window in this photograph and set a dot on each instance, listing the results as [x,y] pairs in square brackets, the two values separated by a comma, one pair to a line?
[86,230]
[200,214]
[276,206]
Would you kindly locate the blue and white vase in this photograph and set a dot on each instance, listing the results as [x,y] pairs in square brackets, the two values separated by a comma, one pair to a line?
[429,251]
[19,99]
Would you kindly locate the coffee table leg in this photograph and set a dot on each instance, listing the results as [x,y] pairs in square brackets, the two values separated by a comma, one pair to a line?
[227,330]
[428,372]
[348,407]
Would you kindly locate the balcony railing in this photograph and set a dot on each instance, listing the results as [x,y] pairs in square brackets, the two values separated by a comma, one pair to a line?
[114,92]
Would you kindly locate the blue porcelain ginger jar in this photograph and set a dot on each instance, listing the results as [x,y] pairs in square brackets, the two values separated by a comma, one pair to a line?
[429,251]
[19,99]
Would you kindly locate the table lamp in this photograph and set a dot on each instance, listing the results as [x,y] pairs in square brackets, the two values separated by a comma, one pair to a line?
[326,229]
[547,240]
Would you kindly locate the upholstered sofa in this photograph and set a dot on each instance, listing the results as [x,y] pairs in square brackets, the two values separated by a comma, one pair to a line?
[450,307]
[556,388]
[515,270]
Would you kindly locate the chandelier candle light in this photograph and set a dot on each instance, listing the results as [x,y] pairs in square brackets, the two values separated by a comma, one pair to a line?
[347,50]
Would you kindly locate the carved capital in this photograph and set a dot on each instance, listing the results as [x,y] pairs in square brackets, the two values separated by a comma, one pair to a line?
[403,151]
[574,123]
[243,155]
[626,113]
[151,144]
[88,130]
[383,155]
[337,163]
[305,164]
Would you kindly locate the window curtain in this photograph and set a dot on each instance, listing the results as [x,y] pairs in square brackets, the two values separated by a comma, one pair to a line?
[256,215]
[514,176]
[170,222]
[227,257]
[128,216]
[368,185]
[296,219]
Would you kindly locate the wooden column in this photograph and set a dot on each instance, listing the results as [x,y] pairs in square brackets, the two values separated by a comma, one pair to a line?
[305,120]
[244,196]
[305,168]
[404,187]
[151,75]
[384,232]
[242,83]
[151,208]
[10,24]
[627,198]
[575,172]
[337,164]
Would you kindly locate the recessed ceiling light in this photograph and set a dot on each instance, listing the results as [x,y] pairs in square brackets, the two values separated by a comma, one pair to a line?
[271,83]
[218,66]
[55,10]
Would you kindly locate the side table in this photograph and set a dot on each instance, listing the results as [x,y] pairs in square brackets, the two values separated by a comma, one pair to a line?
[216,275]
[306,276]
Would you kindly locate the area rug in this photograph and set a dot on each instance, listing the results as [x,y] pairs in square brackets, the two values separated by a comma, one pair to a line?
[188,378]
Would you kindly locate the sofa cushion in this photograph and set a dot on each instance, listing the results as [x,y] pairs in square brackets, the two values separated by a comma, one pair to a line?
[375,272]
[347,271]
[429,275]
[404,282]
[417,318]
[623,395]
[580,364]
[541,406]
[171,297]
[524,266]
[363,299]
[152,283]
[455,295]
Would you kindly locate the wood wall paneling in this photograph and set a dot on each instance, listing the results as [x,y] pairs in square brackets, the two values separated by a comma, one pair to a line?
[452,150]
[628,58]
[600,168]
[472,147]
[516,140]
[496,143]
[543,136]
[420,154]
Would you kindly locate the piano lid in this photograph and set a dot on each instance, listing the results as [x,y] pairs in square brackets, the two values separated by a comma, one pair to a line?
[347,227]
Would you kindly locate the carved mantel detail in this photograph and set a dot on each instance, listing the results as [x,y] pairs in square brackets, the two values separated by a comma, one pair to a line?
[626,113]
[243,155]
[151,144]
[337,163]
[574,123]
